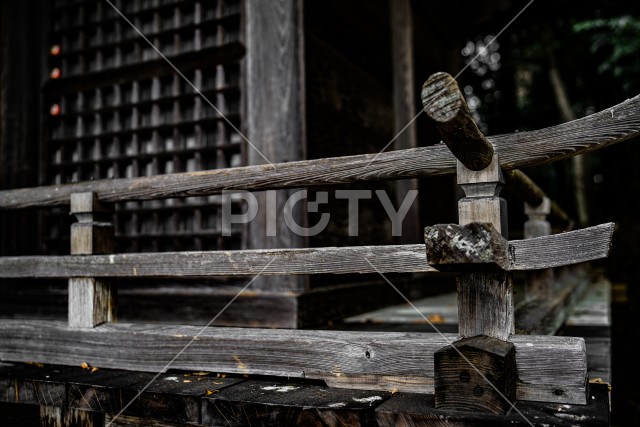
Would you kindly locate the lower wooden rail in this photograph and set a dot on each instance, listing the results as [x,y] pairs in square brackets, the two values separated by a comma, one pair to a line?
[555,250]
[551,369]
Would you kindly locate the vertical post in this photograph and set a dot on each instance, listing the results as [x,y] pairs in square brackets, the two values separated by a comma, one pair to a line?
[404,109]
[92,301]
[275,117]
[485,300]
[539,284]
[485,296]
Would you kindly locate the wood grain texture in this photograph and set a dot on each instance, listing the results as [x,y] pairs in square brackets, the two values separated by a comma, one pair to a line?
[459,386]
[413,410]
[91,301]
[556,250]
[444,103]
[562,249]
[275,117]
[545,364]
[485,304]
[404,108]
[256,403]
[613,125]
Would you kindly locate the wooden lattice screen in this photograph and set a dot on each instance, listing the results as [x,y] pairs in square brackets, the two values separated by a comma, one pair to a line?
[115,109]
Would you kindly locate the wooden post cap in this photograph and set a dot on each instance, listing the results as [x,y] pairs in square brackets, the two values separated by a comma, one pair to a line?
[472,247]
[444,103]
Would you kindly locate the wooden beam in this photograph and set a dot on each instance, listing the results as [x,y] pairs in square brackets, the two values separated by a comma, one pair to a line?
[463,370]
[556,250]
[549,368]
[613,125]
[275,120]
[92,301]
[404,105]
[444,103]
[485,300]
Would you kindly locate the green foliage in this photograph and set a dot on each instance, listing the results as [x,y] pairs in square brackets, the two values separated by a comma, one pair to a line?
[616,41]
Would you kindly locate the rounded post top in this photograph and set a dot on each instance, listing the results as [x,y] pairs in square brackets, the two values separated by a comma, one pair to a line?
[444,103]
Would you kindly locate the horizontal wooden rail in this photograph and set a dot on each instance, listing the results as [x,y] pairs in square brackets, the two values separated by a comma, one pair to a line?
[550,369]
[517,150]
[555,250]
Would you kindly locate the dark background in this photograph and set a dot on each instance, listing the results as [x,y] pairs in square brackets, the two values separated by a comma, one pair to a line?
[592,48]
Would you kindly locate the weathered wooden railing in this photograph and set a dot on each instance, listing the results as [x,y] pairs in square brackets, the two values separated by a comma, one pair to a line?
[537,368]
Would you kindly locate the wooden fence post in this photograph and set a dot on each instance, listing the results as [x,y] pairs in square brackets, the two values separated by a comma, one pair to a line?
[464,369]
[91,301]
[538,283]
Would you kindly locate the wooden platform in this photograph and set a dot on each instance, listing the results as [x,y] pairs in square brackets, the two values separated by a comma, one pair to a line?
[197,398]
[179,398]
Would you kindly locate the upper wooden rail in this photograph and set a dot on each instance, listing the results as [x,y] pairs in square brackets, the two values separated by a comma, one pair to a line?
[517,150]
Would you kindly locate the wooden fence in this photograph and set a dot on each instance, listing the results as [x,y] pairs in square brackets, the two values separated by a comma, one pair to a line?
[524,367]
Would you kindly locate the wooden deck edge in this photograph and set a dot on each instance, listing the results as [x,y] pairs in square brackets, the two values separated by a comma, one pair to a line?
[545,316]
[552,369]
[30,393]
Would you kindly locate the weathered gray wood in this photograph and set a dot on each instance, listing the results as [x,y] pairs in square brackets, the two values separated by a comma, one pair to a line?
[542,252]
[474,246]
[275,118]
[444,103]
[413,410]
[463,369]
[485,300]
[613,125]
[404,109]
[485,305]
[538,283]
[91,301]
[276,403]
[545,364]
[562,249]
[482,202]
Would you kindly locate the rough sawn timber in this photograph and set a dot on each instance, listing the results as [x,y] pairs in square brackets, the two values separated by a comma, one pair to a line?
[615,124]
[550,369]
[555,250]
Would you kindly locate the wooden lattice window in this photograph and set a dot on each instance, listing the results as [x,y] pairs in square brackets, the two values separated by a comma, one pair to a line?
[116,109]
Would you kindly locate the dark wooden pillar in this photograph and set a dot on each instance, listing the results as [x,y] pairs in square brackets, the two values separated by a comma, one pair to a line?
[404,105]
[21,63]
[275,117]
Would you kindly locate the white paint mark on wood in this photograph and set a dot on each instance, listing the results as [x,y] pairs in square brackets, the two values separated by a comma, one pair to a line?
[368,400]
[280,389]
